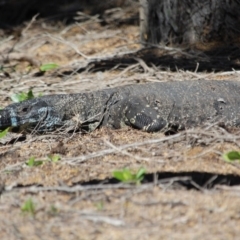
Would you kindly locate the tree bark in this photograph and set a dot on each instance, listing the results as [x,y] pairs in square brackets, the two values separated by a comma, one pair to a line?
[190,22]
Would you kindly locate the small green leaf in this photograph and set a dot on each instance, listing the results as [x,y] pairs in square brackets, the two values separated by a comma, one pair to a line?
[54,157]
[118,175]
[126,176]
[231,156]
[31,162]
[3,133]
[29,207]
[30,94]
[48,66]
[141,172]
[100,206]
[123,175]
[19,97]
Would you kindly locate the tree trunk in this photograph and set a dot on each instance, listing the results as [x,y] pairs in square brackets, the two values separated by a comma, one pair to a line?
[190,22]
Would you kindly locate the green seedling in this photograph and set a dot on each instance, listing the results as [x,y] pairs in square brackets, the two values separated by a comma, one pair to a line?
[19,97]
[31,162]
[53,157]
[3,133]
[29,207]
[48,66]
[231,156]
[127,176]
[99,206]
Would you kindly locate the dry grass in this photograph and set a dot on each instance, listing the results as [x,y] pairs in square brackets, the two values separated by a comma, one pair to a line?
[183,196]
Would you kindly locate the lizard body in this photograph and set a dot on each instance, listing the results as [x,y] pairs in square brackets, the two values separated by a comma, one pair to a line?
[150,107]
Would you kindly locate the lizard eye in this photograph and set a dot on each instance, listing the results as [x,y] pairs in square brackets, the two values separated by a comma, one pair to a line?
[25,109]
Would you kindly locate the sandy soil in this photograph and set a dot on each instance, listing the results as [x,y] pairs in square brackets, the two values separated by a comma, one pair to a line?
[189,192]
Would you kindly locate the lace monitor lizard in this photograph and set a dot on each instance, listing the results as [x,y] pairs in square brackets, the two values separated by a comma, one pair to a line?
[150,107]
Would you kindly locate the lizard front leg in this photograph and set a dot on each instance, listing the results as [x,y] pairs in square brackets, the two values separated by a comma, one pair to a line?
[138,113]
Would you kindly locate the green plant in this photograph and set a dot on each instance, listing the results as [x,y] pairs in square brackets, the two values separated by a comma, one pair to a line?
[99,206]
[48,66]
[31,162]
[231,156]
[126,176]
[3,133]
[29,207]
[19,97]
[53,157]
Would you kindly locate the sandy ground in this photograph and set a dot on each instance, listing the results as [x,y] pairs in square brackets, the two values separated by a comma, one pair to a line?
[189,192]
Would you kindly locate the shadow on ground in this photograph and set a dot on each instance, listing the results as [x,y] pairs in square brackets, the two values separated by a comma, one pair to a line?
[189,180]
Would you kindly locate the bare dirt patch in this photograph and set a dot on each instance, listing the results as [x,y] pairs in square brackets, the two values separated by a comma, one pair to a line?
[189,191]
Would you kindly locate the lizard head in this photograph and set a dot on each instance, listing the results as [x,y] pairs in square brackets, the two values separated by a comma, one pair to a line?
[34,113]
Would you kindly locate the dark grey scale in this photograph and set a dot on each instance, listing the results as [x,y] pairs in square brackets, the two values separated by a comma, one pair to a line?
[139,114]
